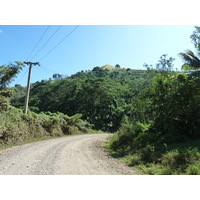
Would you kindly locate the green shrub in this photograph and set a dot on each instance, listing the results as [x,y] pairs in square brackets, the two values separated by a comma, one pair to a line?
[193,170]
[132,160]
[15,126]
[3,103]
[175,106]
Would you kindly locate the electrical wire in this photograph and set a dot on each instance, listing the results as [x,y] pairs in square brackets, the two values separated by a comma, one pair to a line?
[60,42]
[44,71]
[38,42]
[46,42]
[48,69]
[51,49]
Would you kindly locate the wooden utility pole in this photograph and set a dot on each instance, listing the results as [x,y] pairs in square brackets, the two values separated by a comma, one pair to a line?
[28,85]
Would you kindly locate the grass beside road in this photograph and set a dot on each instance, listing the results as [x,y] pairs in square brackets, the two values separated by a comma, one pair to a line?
[174,159]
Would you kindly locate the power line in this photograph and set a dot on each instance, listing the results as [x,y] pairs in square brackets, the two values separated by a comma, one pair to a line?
[48,69]
[38,42]
[47,41]
[60,42]
[44,71]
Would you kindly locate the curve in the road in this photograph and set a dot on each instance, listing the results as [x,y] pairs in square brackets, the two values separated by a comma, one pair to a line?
[72,155]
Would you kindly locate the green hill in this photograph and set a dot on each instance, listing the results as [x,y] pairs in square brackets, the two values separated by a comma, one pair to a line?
[102,96]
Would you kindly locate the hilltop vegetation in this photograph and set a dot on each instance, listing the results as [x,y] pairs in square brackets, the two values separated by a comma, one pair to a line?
[109,67]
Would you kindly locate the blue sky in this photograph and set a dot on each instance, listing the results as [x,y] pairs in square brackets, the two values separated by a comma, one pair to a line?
[89,46]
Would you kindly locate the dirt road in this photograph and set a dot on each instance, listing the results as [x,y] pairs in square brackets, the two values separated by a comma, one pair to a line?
[73,155]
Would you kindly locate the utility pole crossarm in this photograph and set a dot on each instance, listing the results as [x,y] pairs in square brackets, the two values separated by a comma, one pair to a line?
[28,84]
[32,63]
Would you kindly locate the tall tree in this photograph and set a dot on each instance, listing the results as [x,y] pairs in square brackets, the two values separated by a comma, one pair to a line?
[8,72]
[165,64]
[195,37]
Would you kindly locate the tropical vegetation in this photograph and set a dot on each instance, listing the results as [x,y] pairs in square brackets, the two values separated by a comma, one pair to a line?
[154,114]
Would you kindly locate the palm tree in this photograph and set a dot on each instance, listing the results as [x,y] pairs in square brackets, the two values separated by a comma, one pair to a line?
[191,61]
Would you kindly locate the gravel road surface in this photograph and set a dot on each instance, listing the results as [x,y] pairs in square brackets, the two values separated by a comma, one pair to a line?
[72,155]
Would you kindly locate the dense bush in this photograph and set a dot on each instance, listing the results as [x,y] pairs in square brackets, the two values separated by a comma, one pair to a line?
[175,106]
[15,126]
[171,119]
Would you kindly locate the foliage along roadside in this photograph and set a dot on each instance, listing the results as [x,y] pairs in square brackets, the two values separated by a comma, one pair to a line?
[167,139]
[16,127]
